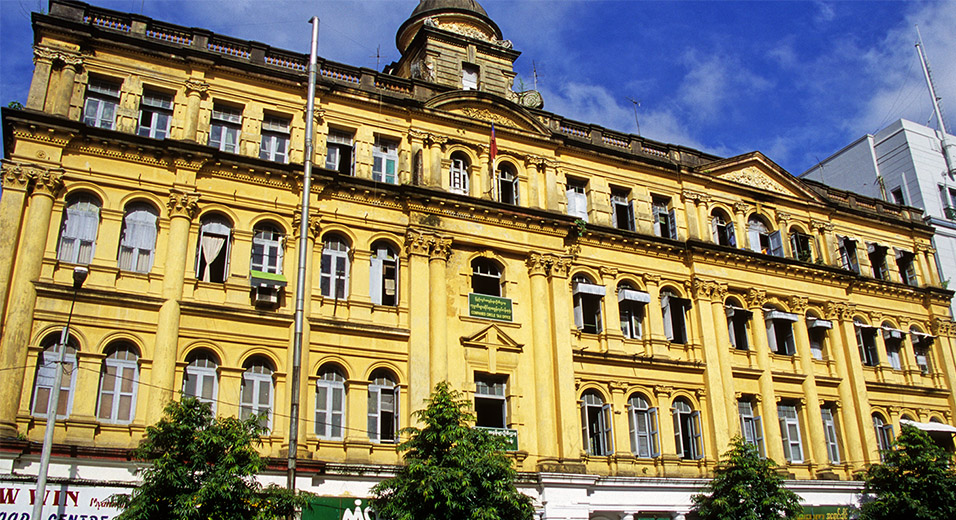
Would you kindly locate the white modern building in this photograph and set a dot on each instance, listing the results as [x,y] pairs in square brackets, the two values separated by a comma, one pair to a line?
[902,163]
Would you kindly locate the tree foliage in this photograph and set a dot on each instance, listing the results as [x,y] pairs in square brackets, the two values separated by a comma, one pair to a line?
[452,470]
[916,481]
[203,467]
[746,487]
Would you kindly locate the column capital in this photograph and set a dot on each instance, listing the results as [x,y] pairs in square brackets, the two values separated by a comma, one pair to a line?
[537,264]
[50,55]
[440,248]
[876,318]
[821,225]
[755,298]
[16,175]
[608,273]
[696,196]
[560,266]
[196,86]
[702,289]
[535,161]
[314,226]
[741,207]
[839,310]
[418,134]
[943,327]
[925,248]
[652,279]
[182,204]
[47,181]
[663,392]
[318,115]
[783,218]
[798,304]
[427,244]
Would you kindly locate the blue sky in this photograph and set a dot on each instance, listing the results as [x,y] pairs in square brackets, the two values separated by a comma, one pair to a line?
[796,80]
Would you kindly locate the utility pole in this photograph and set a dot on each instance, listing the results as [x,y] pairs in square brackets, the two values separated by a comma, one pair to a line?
[949,149]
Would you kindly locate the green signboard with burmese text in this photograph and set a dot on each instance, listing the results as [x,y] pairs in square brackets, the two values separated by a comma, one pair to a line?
[490,307]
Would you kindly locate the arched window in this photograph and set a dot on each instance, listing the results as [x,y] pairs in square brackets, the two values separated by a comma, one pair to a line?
[596,423]
[383,283]
[81,219]
[255,393]
[674,309]
[893,341]
[46,372]
[212,252]
[119,380]
[335,267]
[631,304]
[138,238]
[383,407]
[866,341]
[801,244]
[780,331]
[458,175]
[507,184]
[330,402]
[642,420]
[588,298]
[922,346]
[485,277]
[762,240]
[817,331]
[687,433]
[884,433]
[722,228]
[738,324]
[201,378]
[267,248]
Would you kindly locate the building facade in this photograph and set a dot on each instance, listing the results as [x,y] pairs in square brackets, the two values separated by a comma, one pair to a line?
[903,163]
[620,308]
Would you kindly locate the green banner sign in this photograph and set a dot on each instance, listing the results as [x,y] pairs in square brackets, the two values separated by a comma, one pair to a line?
[491,307]
[510,435]
[825,513]
[338,508]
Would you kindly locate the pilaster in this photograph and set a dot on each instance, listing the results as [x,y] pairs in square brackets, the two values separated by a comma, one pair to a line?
[196,89]
[16,180]
[768,404]
[541,313]
[703,291]
[438,308]
[860,438]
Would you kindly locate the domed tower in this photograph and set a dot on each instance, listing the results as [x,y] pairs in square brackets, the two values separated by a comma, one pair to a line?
[455,43]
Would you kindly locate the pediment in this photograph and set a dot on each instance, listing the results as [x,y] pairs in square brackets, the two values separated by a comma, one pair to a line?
[489,108]
[756,171]
[492,337]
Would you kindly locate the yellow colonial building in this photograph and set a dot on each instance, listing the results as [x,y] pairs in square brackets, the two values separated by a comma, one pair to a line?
[618,307]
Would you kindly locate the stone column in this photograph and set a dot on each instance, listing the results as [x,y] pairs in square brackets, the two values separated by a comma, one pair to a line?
[931,276]
[567,415]
[195,90]
[417,249]
[183,207]
[703,218]
[703,291]
[768,403]
[541,312]
[305,392]
[691,199]
[417,140]
[655,317]
[740,217]
[620,428]
[64,86]
[435,172]
[722,339]
[825,241]
[612,314]
[18,322]
[818,444]
[860,437]
[356,412]
[532,166]
[478,184]
[943,350]
[552,194]
[665,422]
[438,309]
[16,179]
[42,69]
[783,226]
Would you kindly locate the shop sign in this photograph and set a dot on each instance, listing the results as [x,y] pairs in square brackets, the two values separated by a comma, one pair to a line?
[825,513]
[510,435]
[61,501]
[338,508]
[491,307]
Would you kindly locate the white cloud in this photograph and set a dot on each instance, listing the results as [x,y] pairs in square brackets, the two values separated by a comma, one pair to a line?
[713,82]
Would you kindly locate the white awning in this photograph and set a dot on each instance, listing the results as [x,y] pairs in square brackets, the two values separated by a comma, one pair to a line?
[780,315]
[817,323]
[890,332]
[733,310]
[930,426]
[633,296]
[588,288]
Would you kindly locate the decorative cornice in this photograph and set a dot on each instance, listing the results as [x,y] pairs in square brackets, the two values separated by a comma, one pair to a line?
[182,204]
[51,55]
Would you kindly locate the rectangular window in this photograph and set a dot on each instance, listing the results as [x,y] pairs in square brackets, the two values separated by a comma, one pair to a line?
[897,194]
[155,113]
[738,324]
[800,244]
[905,262]
[877,255]
[665,221]
[491,402]
[830,434]
[224,128]
[577,199]
[383,413]
[817,332]
[922,344]
[866,341]
[780,331]
[790,432]
[848,254]
[274,145]
[102,100]
[385,161]
[622,212]
[893,340]
[338,156]
[329,409]
[751,426]
[469,76]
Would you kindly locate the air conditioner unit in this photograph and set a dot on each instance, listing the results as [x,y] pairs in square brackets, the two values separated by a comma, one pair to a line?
[267,295]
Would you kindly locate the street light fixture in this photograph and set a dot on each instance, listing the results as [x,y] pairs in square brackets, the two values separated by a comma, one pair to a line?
[79,276]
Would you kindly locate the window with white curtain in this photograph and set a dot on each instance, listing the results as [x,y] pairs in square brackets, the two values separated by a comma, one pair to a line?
[119,380]
[382,407]
[46,372]
[383,272]
[267,242]
[212,255]
[201,378]
[577,196]
[255,392]
[334,281]
[642,420]
[81,219]
[138,238]
[330,403]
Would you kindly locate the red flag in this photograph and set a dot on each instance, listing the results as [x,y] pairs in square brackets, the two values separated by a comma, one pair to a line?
[494,144]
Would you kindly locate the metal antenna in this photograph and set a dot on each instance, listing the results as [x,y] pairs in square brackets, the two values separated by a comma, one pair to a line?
[636,104]
[378,56]
[949,154]
[534,73]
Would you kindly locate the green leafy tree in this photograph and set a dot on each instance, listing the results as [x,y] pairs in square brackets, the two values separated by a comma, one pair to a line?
[452,470]
[916,481]
[746,487]
[203,467]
